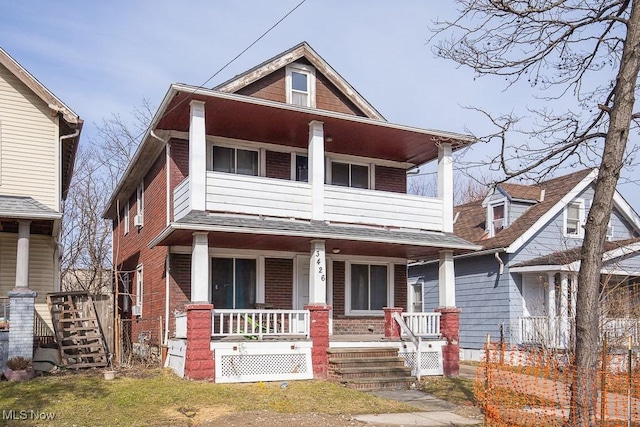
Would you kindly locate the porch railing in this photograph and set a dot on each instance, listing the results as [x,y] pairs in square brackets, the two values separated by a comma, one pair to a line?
[620,328]
[257,324]
[423,324]
[539,330]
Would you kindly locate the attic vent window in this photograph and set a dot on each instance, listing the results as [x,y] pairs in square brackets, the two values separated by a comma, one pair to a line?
[301,84]
[497,218]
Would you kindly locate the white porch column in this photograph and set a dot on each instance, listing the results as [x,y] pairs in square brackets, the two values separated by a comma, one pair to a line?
[22,255]
[445,185]
[317,274]
[446,280]
[200,267]
[564,310]
[551,333]
[574,289]
[316,169]
[197,157]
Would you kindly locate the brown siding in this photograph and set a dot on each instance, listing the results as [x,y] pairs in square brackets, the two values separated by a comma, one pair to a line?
[391,179]
[278,283]
[271,87]
[328,97]
[278,165]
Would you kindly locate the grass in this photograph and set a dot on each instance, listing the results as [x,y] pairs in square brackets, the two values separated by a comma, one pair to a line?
[452,389]
[160,398]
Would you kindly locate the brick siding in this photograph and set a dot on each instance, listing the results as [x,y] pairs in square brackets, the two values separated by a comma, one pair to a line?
[278,165]
[391,179]
[278,283]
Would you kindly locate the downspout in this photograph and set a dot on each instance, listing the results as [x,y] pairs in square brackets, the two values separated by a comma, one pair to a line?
[501,269]
[168,220]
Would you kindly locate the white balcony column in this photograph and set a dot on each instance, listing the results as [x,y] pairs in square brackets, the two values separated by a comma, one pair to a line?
[22,255]
[200,267]
[564,310]
[447,280]
[316,169]
[318,274]
[445,185]
[197,157]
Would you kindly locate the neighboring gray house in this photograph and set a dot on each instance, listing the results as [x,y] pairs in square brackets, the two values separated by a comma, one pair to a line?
[530,237]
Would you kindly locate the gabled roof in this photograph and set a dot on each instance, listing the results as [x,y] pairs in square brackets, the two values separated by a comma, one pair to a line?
[471,226]
[302,50]
[71,123]
[523,192]
[569,259]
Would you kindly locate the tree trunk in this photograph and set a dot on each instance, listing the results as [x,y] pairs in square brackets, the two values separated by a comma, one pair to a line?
[584,386]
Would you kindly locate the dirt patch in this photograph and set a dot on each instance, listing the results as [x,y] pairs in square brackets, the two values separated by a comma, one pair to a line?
[263,418]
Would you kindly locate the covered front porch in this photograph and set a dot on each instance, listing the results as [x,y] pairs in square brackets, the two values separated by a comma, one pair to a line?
[549,308]
[276,345]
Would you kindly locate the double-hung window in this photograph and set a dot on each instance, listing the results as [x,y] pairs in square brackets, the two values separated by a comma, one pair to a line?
[573,215]
[125,220]
[301,171]
[349,175]
[300,85]
[233,282]
[139,218]
[368,287]
[235,160]
[139,289]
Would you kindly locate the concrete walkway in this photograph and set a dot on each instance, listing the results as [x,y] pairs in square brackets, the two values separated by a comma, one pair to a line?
[431,411]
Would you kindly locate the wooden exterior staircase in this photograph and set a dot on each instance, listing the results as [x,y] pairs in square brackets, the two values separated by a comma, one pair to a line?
[366,369]
[77,330]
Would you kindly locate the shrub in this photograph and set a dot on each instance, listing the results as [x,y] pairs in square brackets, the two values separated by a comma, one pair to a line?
[18,363]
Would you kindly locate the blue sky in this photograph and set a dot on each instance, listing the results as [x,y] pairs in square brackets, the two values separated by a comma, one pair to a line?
[105,57]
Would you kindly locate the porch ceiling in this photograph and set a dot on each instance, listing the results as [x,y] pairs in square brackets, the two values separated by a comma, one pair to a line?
[247,118]
[294,236]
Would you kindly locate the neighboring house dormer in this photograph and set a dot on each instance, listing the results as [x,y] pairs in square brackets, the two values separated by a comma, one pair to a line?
[505,203]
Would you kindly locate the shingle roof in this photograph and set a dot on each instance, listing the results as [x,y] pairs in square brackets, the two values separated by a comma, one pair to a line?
[317,229]
[25,207]
[570,255]
[523,192]
[470,224]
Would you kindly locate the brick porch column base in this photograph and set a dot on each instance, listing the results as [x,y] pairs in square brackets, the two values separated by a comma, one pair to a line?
[319,332]
[22,309]
[450,330]
[199,364]
[391,327]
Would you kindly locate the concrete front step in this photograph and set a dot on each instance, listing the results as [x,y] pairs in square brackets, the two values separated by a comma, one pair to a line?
[388,362]
[370,384]
[372,372]
[376,368]
[359,352]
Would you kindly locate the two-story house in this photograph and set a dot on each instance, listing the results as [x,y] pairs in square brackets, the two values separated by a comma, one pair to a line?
[39,136]
[521,286]
[280,189]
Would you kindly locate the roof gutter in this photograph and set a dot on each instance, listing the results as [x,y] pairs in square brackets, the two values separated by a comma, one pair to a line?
[462,256]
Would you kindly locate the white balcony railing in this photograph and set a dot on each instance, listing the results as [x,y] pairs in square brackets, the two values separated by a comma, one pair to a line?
[291,199]
[539,330]
[260,323]
[353,205]
[423,324]
[181,199]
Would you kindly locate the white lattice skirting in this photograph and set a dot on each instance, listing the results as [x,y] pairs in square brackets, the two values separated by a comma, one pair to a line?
[238,362]
[430,357]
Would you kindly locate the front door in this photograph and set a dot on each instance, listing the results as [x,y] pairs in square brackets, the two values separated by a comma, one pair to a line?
[301,287]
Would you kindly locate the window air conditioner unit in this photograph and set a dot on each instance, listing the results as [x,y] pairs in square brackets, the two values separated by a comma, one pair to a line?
[137,221]
[136,310]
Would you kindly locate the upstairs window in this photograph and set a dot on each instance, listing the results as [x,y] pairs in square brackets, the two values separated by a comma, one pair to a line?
[300,83]
[125,220]
[573,219]
[235,160]
[349,175]
[301,170]
[609,231]
[496,218]
[138,220]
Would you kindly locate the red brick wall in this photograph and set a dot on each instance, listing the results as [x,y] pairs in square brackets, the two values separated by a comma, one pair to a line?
[131,249]
[338,288]
[391,179]
[179,282]
[278,165]
[278,283]
[400,286]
